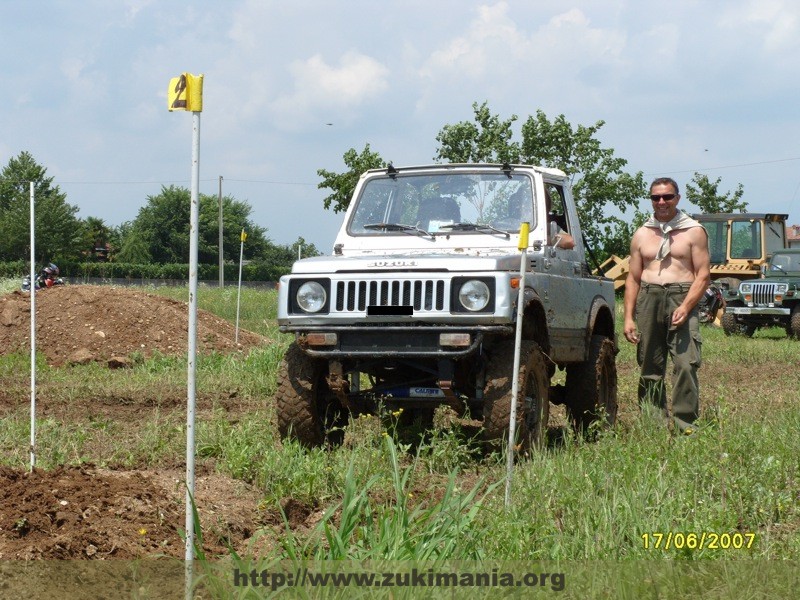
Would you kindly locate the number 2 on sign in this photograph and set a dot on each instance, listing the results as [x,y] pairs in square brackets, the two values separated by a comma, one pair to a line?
[180,94]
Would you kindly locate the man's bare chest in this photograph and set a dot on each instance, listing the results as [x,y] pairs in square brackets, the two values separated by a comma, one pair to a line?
[680,246]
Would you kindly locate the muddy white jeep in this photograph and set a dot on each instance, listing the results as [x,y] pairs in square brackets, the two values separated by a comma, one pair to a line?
[417,307]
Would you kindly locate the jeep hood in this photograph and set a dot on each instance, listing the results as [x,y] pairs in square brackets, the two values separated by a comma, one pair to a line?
[444,262]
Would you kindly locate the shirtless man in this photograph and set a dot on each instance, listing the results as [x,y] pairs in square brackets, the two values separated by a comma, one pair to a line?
[669,273]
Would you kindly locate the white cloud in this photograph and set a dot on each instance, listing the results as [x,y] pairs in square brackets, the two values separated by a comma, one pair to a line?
[321,88]
[516,59]
[134,7]
[775,22]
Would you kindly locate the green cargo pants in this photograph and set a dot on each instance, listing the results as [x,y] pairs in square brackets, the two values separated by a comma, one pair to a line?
[654,307]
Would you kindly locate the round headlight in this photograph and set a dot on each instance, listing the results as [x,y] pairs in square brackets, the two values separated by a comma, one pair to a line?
[311,296]
[746,288]
[474,295]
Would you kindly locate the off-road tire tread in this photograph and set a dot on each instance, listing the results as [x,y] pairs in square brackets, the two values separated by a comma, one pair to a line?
[794,323]
[584,382]
[497,394]
[295,397]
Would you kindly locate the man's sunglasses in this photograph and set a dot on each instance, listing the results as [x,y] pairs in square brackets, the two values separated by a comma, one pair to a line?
[657,197]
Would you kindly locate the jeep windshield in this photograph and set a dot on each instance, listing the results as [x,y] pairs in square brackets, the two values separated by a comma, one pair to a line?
[443,204]
[785,264]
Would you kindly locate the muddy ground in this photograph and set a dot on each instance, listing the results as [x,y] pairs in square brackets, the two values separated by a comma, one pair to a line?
[92,513]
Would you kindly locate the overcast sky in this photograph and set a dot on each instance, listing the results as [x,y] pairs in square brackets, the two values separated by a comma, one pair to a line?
[683,86]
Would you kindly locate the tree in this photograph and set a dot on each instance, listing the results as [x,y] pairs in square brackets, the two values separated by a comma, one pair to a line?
[343,184]
[303,249]
[598,180]
[487,140]
[58,230]
[160,232]
[133,247]
[709,200]
[95,239]
[163,224]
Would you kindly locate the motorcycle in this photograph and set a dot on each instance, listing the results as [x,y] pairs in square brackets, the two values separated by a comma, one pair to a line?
[48,277]
[711,303]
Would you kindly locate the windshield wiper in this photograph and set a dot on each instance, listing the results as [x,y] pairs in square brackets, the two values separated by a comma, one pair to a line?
[410,229]
[476,227]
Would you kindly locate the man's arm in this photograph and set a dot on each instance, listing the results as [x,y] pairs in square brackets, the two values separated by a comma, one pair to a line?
[565,240]
[701,266]
[633,284]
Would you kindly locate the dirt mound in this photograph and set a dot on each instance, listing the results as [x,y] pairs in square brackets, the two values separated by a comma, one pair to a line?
[84,323]
[89,513]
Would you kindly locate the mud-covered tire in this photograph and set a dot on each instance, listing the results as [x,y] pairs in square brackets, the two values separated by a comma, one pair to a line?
[533,405]
[732,327]
[305,407]
[794,323]
[592,386]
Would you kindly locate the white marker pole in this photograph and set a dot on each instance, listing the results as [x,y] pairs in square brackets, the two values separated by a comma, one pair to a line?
[512,419]
[33,332]
[239,291]
[190,410]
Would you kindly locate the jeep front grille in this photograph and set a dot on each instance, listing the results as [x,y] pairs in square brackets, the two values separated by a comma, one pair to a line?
[422,294]
[763,293]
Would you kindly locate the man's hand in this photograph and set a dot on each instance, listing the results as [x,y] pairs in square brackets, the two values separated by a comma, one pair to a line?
[630,331]
[679,316]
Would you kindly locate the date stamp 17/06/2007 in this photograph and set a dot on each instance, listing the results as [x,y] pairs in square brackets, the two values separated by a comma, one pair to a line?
[704,540]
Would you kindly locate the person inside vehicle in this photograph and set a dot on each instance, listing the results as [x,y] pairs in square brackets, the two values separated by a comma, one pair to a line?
[561,239]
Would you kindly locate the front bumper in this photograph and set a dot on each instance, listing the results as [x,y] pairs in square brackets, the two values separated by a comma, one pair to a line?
[393,340]
[758,310]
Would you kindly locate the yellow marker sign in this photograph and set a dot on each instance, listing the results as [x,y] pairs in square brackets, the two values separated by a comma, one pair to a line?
[244,235]
[185,93]
[524,231]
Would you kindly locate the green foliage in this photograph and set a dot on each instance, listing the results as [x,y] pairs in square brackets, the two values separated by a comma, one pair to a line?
[487,140]
[343,184]
[706,196]
[163,227]
[598,179]
[58,230]
[95,236]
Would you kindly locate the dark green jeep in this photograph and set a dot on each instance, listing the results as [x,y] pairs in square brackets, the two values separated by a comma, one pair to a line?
[773,300]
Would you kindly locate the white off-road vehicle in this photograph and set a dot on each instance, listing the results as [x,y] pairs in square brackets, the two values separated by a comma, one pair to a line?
[417,306]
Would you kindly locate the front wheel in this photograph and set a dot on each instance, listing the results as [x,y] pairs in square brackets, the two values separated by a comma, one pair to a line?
[794,324]
[592,387]
[732,327]
[533,405]
[307,410]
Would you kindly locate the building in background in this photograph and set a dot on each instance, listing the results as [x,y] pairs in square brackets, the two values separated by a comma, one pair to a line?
[793,236]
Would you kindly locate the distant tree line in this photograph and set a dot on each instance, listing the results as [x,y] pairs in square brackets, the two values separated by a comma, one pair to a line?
[158,236]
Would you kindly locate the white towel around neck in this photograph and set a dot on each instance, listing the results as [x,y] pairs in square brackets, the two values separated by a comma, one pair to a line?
[679,221]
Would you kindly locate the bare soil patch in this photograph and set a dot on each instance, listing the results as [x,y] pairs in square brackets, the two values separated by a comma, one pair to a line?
[84,323]
[83,512]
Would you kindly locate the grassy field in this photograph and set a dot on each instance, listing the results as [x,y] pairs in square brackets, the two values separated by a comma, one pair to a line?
[399,494]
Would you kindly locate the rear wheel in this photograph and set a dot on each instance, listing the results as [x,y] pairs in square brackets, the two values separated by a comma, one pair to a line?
[307,410]
[592,386]
[533,406]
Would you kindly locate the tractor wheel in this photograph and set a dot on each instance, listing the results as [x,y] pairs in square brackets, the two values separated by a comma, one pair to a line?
[533,404]
[592,387]
[307,410]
